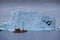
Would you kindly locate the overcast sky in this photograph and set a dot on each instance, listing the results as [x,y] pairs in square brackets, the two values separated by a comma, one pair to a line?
[49,7]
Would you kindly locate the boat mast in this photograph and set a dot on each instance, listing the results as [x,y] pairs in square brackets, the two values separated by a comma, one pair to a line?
[23,25]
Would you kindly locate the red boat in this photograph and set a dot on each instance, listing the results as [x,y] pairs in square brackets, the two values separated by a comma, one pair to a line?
[18,30]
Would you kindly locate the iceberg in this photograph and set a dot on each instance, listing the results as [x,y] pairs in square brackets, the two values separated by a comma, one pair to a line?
[32,21]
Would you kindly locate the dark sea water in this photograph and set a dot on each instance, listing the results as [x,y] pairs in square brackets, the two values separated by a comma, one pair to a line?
[30,35]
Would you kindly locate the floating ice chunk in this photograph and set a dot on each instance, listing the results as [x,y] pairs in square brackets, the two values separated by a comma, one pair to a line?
[2,29]
[3,25]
